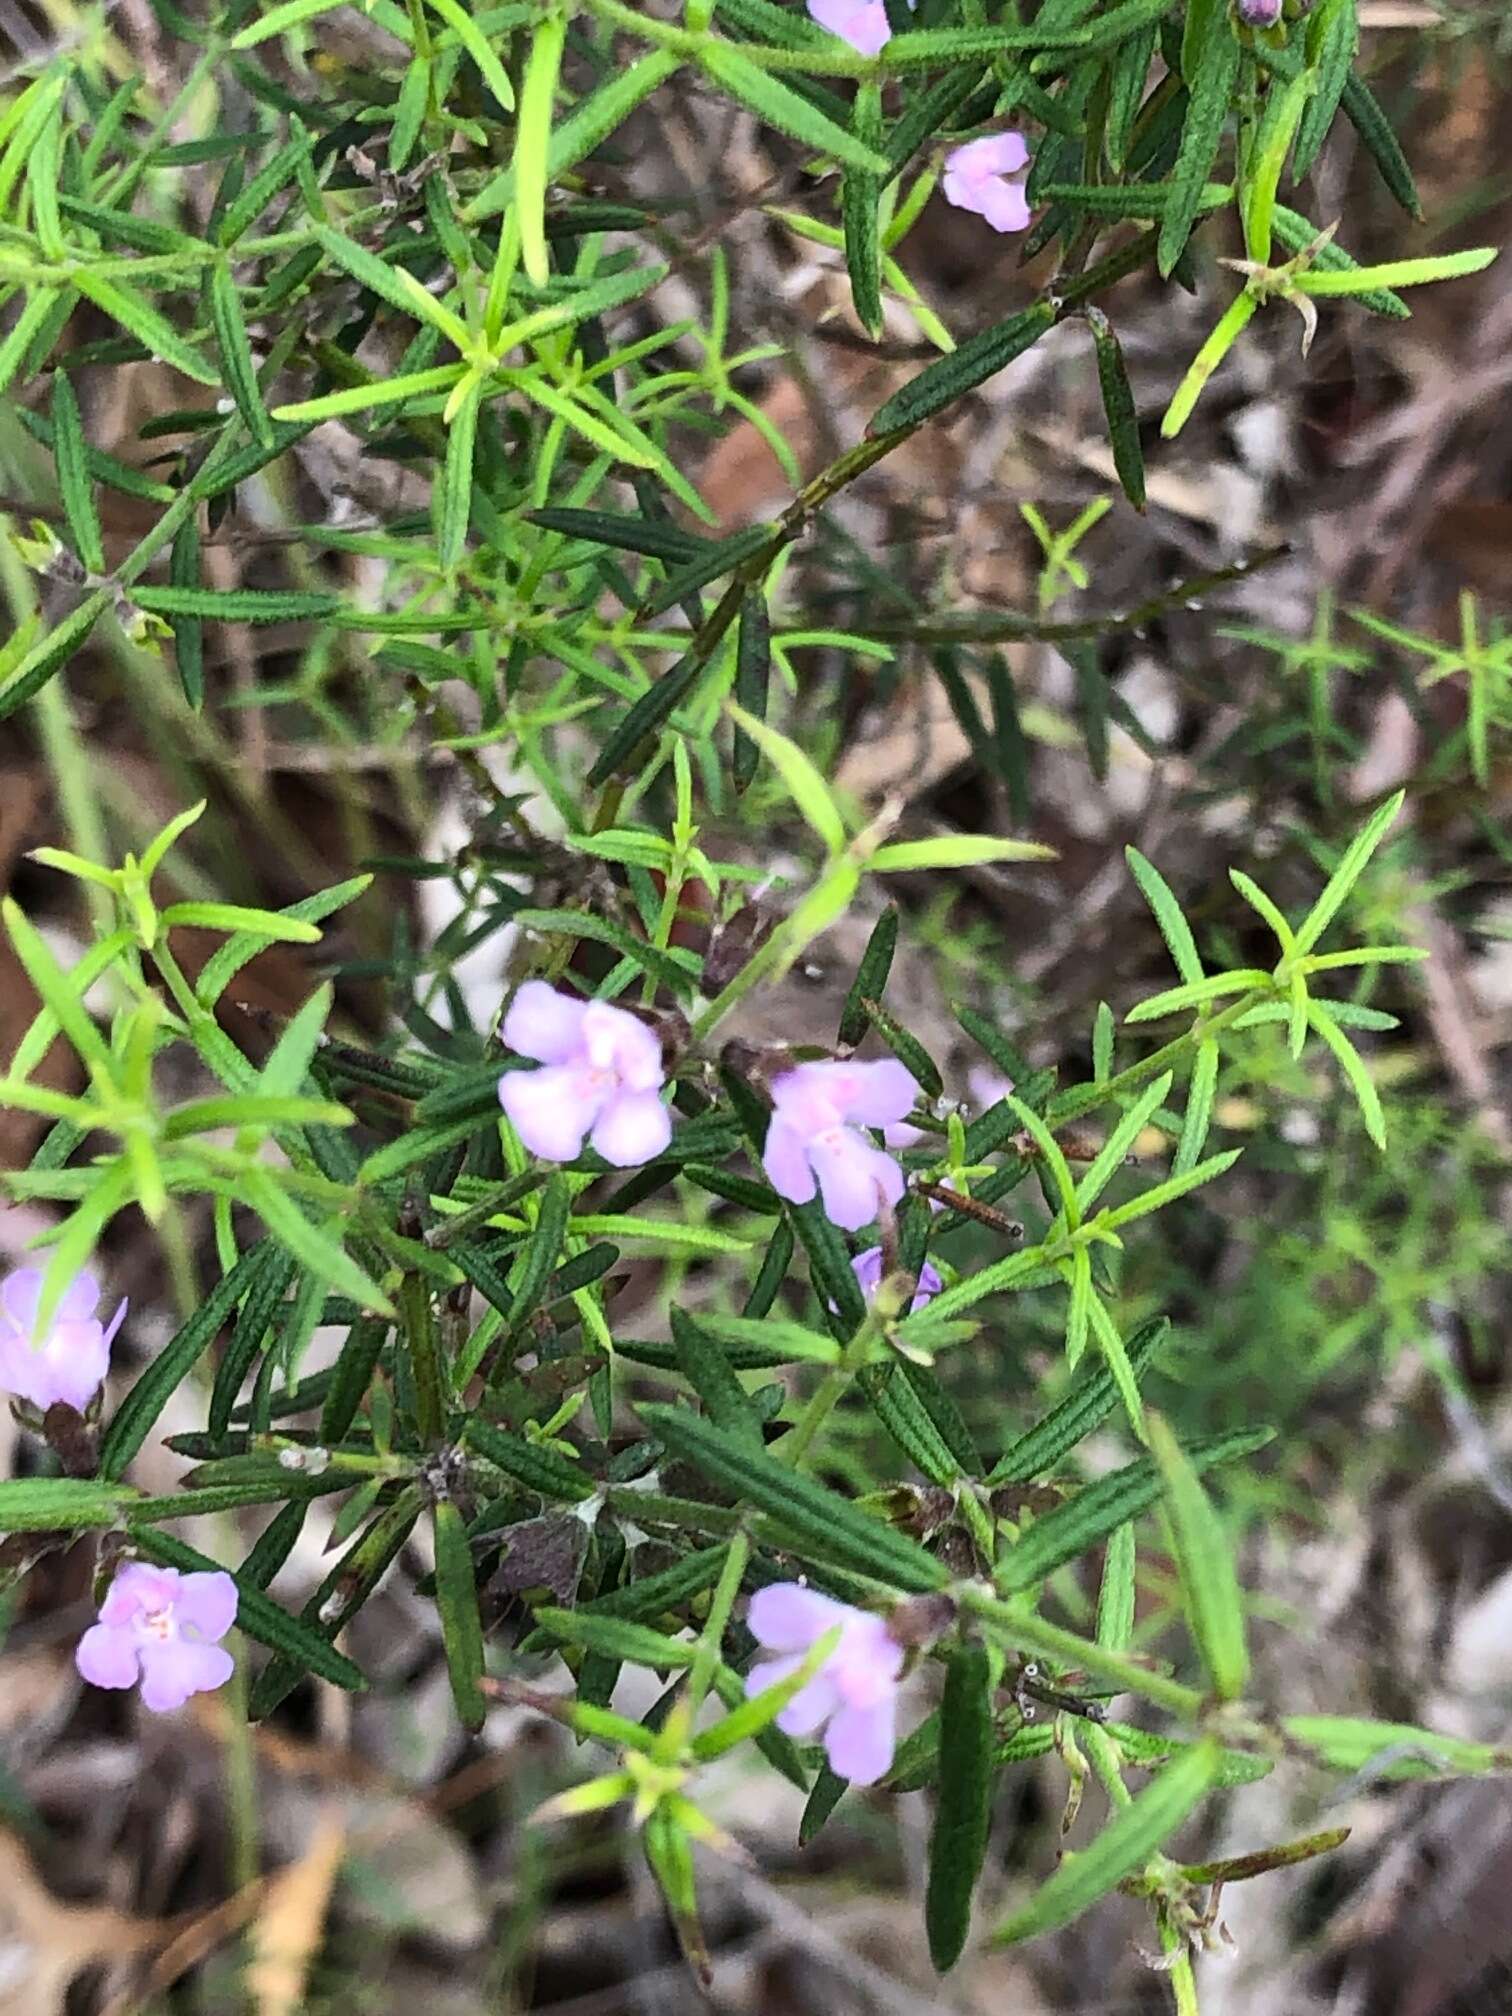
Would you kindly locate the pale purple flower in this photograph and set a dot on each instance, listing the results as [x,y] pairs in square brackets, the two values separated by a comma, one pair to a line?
[601,1079]
[70,1360]
[988,1085]
[862,23]
[867,1268]
[814,1137]
[853,1698]
[986,175]
[161,1627]
[1260,13]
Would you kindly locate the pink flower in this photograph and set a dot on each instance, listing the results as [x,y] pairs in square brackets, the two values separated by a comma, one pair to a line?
[853,1697]
[867,1268]
[602,1079]
[977,177]
[812,1136]
[862,23]
[1260,13]
[161,1627]
[70,1362]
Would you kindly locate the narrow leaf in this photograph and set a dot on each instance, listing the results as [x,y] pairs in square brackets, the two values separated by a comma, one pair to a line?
[1210,1588]
[958,1843]
[1135,1833]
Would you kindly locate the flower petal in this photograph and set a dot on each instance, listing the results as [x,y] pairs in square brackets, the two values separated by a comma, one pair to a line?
[875,1094]
[854,1178]
[544,1023]
[930,1285]
[861,23]
[788,1617]
[551,1109]
[785,1159]
[19,1295]
[961,191]
[71,1367]
[632,1129]
[80,1298]
[618,1041]
[1002,153]
[811,1707]
[206,1603]
[867,1268]
[807,1097]
[859,1742]
[769,1672]
[138,1586]
[172,1672]
[107,1657]
[1006,207]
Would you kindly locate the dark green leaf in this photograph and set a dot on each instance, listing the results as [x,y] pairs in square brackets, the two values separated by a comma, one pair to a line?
[1097,1509]
[1118,408]
[457,1608]
[1207,115]
[544,1471]
[236,354]
[71,456]
[715,559]
[958,1844]
[708,1370]
[156,1386]
[861,191]
[830,1525]
[753,671]
[1381,143]
[351,1376]
[264,1301]
[951,377]
[1331,51]
[657,538]
[829,1789]
[58,1504]
[871,977]
[541,1253]
[188,631]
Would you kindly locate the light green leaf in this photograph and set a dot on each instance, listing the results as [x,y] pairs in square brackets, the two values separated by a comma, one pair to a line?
[1396,273]
[533,140]
[1135,1833]
[1210,1589]
[1174,928]
[780,107]
[268,924]
[1351,867]
[137,316]
[805,786]
[1353,1067]
[954,850]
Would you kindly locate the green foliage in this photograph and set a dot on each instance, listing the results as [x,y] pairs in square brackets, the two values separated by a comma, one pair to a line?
[479,320]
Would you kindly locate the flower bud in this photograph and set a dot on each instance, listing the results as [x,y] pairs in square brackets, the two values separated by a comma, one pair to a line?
[1260,13]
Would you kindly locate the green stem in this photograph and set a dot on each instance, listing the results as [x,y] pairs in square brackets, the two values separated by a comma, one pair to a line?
[1079,1099]
[418,1319]
[1025,1632]
[498,1199]
[706,1659]
[824,1396]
